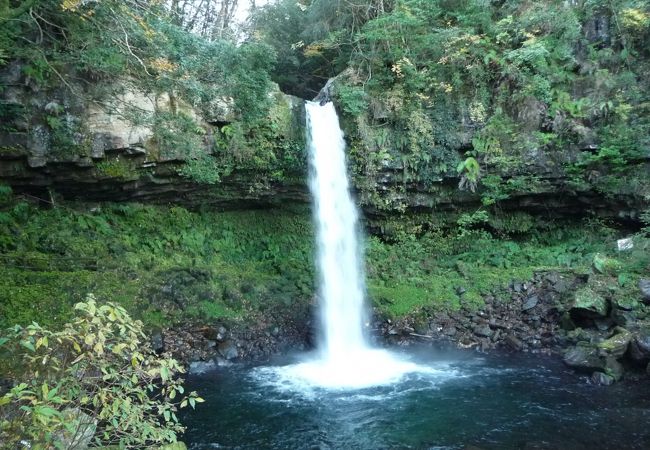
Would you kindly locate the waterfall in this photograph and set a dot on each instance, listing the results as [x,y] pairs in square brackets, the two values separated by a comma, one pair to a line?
[345,359]
[341,287]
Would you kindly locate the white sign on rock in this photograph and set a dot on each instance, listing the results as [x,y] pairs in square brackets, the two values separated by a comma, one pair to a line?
[625,244]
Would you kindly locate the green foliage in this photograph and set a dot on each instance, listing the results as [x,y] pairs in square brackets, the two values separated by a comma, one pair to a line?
[470,172]
[62,45]
[352,99]
[95,381]
[438,270]
[527,83]
[177,135]
[164,265]
[116,168]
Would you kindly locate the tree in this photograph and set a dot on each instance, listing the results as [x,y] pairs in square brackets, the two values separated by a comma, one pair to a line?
[210,19]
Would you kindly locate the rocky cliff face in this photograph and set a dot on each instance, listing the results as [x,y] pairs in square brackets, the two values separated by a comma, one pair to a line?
[103,142]
[106,143]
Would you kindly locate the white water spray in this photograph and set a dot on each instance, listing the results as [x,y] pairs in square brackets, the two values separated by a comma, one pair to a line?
[346,360]
[341,286]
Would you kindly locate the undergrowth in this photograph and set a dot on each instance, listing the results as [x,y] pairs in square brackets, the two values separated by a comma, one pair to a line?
[168,265]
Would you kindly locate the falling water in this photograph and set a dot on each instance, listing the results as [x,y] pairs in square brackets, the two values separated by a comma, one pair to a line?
[341,281]
[345,358]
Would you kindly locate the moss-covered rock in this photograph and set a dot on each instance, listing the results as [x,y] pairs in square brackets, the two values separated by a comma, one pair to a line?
[589,304]
[605,264]
[617,345]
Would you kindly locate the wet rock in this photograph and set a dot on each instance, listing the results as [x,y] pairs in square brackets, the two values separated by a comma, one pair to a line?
[530,303]
[589,304]
[603,324]
[201,367]
[514,343]
[623,318]
[482,331]
[566,323]
[644,287]
[223,362]
[613,368]
[617,344]
[449,331]
[584,357]
[601,379]
[640,346]
[228,350]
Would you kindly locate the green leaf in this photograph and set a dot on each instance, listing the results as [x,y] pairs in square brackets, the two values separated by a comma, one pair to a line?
[46,411]
[28,345]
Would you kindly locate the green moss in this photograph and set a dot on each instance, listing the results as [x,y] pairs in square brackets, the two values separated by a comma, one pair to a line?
[401,299]
[588,299]
[117,168]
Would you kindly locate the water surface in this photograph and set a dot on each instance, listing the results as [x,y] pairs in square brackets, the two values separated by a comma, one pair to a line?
[491,402]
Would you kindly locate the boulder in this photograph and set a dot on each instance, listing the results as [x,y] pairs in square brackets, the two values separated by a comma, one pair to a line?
[601,379]
[617,345]
[530,303]
[606,265]
[584,357]
[589,304]
[644,287]
[640,346]
[228,350]
[623,318]
[613,368]
[482,331]
[625,303]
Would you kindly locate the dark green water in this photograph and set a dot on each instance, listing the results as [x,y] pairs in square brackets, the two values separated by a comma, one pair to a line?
[526,402]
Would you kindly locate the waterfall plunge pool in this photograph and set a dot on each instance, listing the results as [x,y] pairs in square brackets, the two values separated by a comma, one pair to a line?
[350,395]
[464,400]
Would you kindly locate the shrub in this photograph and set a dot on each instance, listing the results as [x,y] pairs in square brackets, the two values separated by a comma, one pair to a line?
[95,381]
